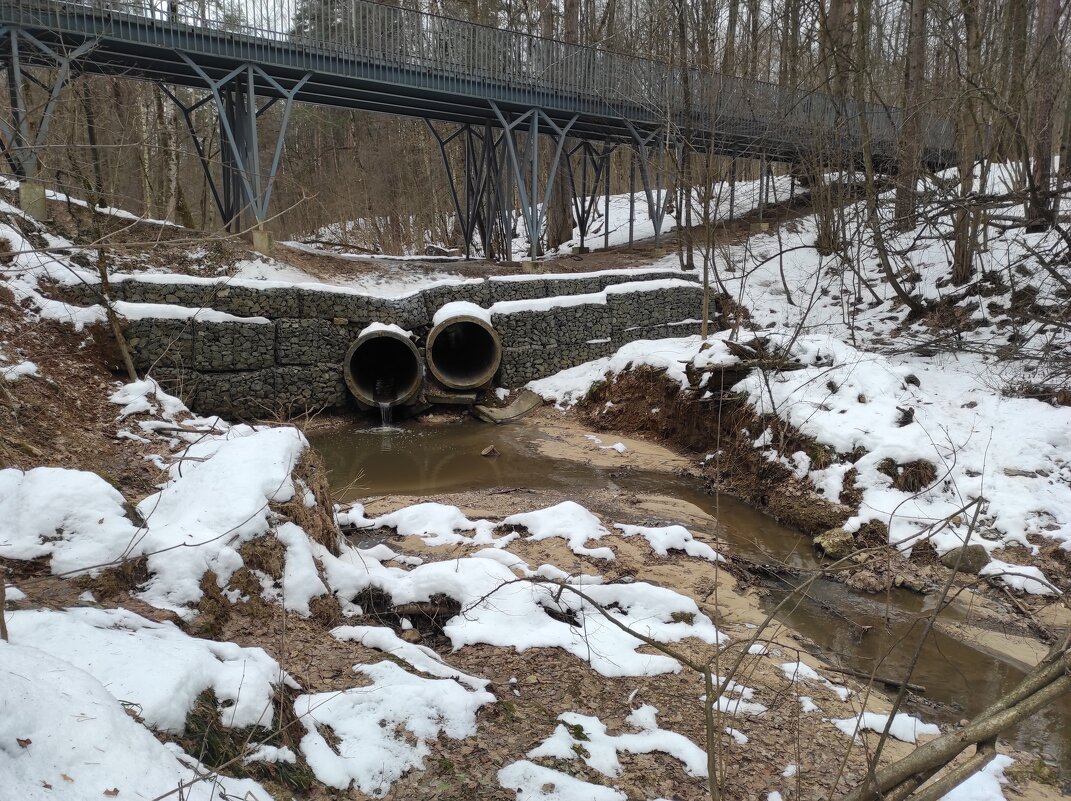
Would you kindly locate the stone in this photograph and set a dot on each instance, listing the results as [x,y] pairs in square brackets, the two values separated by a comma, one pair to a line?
[526,329]
[292,364]
[581,323]
[233,346]
[971,558]
[1015,472]
[503,289]
[477,292]
[247,394]
[249,301]
[439,250]
[304,388]
[160,342]
[490,451]
[836,543]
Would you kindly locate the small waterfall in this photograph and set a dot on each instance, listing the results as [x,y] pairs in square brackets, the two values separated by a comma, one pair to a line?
[385,415]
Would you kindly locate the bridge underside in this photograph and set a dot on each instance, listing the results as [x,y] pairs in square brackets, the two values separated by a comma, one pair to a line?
[244,74]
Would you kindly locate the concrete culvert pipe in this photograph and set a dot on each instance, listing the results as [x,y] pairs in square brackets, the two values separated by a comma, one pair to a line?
[383,367]
[463,350]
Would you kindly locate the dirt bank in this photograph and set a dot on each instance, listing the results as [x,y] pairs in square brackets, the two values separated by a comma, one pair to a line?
[717,429]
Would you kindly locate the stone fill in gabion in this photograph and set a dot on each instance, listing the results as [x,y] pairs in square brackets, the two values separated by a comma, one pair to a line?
[225,346]
[160,343]
[292,363]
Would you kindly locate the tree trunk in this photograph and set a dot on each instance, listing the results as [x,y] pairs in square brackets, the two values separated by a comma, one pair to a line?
[1013,65]
[728,56]
[686,239]
[560,214]
[753,36]
[911,133]
[94,149]
[1040,205]
[964,224]
[145,158]
[167,122]
[838,30]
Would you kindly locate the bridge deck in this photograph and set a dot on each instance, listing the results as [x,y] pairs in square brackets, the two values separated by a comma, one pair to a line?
[376,57]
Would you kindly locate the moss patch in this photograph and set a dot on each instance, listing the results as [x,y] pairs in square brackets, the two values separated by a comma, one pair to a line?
[223,748]
[910,477]
[119,581]
[318,519]
[214,610]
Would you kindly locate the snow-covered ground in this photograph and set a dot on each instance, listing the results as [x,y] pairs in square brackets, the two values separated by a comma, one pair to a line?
[607,226]
[73,674]
[75,671]
[221,482]
[869,382]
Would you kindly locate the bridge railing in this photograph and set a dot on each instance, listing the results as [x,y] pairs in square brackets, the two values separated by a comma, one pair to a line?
[643,89]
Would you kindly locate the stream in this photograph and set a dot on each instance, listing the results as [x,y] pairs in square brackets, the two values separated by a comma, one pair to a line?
[959,676]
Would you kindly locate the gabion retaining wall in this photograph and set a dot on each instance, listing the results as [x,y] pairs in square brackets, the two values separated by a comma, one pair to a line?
[288,359]
[244,298]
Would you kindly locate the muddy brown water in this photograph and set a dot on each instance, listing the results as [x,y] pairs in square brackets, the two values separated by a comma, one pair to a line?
[960,678]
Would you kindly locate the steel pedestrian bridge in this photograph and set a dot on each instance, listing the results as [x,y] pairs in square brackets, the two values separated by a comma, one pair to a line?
[494,90]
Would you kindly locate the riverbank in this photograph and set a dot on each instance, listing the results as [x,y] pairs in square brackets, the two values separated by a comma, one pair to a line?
[497,644]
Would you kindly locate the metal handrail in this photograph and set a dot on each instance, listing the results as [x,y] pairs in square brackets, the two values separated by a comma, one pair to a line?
[643,89]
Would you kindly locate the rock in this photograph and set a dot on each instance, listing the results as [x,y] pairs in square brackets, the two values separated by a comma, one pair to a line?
[490,451]
[836,543]
[905,416]
[866,581]
[1015,472]
[438,250]
[974,558]
[411,635]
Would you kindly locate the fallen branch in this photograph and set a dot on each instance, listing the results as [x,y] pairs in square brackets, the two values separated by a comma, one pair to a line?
[1047,682]
[888,682]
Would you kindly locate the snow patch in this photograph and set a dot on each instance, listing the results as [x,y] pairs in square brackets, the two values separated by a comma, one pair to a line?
[671,538]
[156,665]
[420,657]
[600,749]
[535,783]
[371,753]
[905,727]
[568,520]
[460,308]
[80,735]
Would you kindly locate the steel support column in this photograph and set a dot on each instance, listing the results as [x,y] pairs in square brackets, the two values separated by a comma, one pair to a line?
[244,185]
[643,142]
[533,211]
[594,165]
[20,148]
[475,202]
